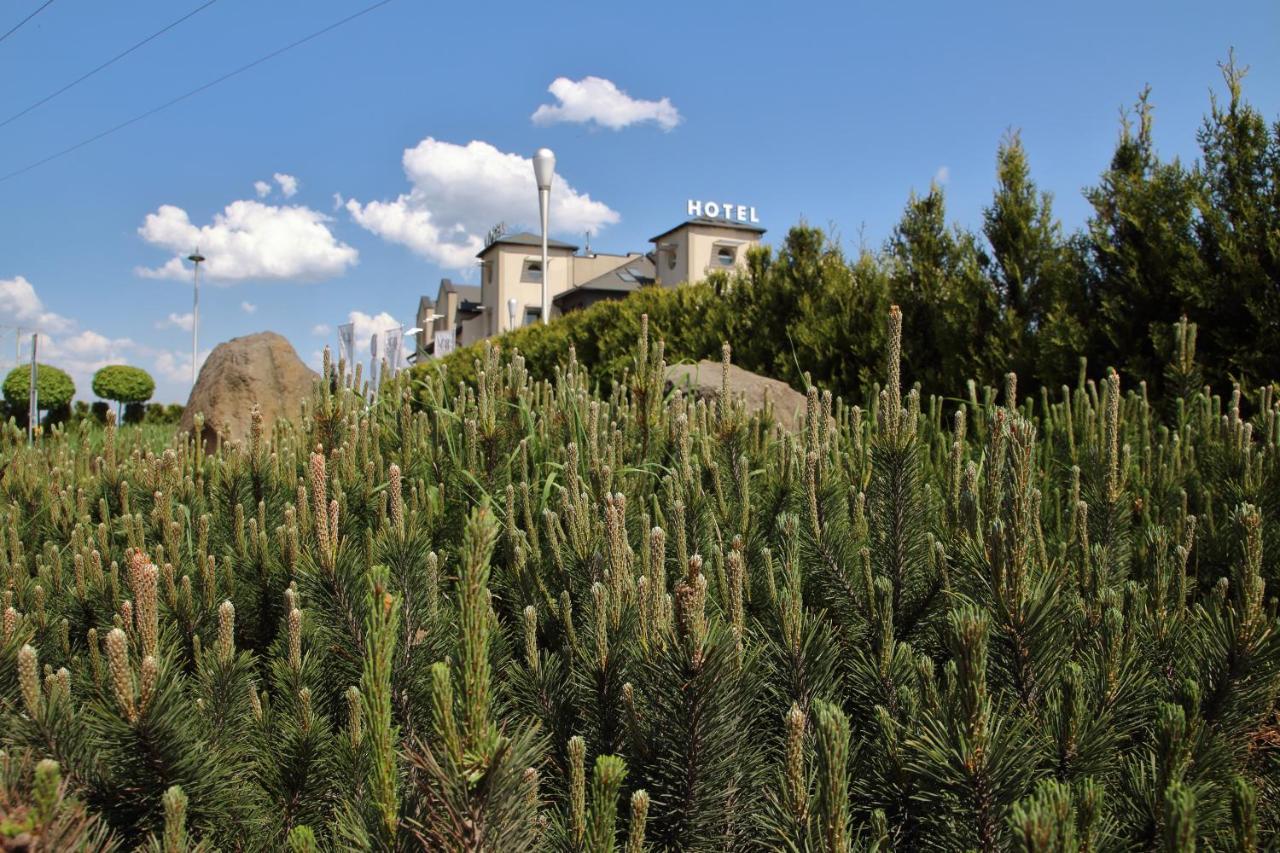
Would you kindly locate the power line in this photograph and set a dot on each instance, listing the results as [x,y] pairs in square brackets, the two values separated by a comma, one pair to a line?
[243,68]
[20,24]
[47,98]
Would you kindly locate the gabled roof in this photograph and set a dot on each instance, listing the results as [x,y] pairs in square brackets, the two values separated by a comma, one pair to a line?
[714,223]
[622,279]
[524,238]
[465,292]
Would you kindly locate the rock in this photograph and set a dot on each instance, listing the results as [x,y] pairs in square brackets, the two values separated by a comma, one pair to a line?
[703,381]
[261,369]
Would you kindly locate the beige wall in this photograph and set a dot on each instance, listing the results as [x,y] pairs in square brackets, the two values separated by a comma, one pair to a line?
[672,259]
[506,279]
[473,329]
[697,248]
[447,306]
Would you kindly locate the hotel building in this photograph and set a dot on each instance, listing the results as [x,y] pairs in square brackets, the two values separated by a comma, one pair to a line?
[715,237]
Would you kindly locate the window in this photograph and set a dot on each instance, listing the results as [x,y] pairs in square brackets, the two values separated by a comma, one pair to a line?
[671,257]
[532,315]
[726,256]
[532,272]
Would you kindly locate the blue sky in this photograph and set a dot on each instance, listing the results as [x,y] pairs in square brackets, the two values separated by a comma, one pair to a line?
[828,112]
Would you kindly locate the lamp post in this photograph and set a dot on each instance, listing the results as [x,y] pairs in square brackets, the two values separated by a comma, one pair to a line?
[513,304]
[544,169]
[196,258]
[33,392]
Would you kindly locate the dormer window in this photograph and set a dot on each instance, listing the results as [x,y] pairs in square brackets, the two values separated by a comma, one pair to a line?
[532,272]
[726,256]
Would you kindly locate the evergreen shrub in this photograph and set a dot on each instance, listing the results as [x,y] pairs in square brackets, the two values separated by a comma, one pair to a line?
[518,614]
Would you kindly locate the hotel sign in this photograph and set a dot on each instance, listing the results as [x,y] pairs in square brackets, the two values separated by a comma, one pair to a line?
[723,210]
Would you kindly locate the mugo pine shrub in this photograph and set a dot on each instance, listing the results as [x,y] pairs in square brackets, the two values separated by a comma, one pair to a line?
[525,616]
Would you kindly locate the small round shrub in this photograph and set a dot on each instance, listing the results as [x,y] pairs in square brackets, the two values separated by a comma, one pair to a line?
[123,383]
[54,388]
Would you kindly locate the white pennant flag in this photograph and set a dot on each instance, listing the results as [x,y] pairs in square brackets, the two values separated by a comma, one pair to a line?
[347,343]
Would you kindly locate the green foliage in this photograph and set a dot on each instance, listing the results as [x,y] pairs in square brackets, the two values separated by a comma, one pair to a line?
[37,813]
[54,388]
[1165,241]
[123,384]
[521,614]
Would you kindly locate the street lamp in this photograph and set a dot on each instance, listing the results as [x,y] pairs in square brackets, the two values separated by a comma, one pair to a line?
[544,169]
[196,258]
[512,305]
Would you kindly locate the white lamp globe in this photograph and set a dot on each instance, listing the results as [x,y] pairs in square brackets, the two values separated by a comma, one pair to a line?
[544,168]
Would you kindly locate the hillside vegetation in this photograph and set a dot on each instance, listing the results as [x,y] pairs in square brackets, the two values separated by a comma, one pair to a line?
[519,615]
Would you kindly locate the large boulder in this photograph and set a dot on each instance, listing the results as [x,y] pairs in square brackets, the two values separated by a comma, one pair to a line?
[261,369]
[703,380]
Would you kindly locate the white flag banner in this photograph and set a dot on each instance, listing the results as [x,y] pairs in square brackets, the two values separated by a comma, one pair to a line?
[347,343]
[394,341]
[373,348]
[444,343]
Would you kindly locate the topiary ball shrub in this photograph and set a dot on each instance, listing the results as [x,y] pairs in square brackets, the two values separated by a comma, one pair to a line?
[123,383]
[54,389]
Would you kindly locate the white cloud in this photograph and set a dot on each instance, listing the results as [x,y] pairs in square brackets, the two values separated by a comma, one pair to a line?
[262,188]
[22,307]
[87,344]
[85,353]
[459,191]
[595,99]
[82,352]
[288,184]
[368,325]
[175,366]
[320,329]
[248,308]
[249,240]
[176,321]
[942,176]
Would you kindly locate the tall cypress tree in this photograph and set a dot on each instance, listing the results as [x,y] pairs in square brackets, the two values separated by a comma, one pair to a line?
[1031,266]
[1238,232]
[1145,267]
[949,308]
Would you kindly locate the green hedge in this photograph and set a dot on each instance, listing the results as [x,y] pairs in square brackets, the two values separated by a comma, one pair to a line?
[604,334]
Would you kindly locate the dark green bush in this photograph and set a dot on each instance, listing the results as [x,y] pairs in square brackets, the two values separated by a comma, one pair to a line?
[160,413]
